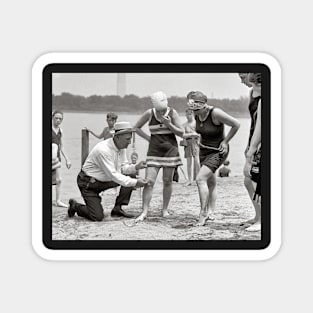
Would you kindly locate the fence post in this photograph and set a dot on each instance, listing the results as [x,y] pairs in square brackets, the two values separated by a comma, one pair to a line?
[85,145]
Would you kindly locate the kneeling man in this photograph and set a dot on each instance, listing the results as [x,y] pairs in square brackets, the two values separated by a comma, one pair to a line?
[107,167]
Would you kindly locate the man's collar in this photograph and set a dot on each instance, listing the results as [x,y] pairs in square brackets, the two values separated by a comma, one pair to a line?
[112,143]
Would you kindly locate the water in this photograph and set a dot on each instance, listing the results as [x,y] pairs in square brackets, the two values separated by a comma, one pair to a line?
[73,123]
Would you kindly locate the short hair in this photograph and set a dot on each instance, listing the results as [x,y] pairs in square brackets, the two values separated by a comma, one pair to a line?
[255,78]
[197,96]
[112,116]
[57,112]
[189,94]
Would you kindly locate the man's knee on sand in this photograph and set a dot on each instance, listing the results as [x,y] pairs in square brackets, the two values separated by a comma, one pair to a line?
[97,217]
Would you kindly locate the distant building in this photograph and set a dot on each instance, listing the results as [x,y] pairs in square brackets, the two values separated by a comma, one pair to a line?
[121,84]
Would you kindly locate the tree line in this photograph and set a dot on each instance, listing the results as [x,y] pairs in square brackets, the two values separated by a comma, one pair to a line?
[135,104]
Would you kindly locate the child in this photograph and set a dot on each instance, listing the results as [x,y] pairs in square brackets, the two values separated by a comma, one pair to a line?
[107,132]
[56,164]
[191,146]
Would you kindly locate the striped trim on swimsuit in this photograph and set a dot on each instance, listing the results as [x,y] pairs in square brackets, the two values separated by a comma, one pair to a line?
[162,162]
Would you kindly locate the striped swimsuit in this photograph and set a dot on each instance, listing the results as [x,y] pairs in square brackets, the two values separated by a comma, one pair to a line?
[163,147]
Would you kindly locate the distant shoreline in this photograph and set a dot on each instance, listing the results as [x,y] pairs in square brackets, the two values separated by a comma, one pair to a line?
[234,114]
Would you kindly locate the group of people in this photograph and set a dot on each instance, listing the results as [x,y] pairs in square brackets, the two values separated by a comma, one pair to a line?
[204,140]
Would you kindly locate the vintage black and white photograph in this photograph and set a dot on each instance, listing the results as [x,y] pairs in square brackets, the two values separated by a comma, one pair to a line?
[156,156]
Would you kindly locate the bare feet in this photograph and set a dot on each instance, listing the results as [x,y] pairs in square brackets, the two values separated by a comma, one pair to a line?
[255,227]
[165,213]
[248,223]
[210,217]
[203,219]
[61,204]
[140,218]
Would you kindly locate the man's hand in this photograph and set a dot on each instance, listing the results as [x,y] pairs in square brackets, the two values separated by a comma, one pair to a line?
[141,165]
[141,182]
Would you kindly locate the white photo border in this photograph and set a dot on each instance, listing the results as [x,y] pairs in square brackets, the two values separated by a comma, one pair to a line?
[155,255]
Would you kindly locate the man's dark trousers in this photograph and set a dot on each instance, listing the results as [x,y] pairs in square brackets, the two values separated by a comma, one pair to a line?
[90,189]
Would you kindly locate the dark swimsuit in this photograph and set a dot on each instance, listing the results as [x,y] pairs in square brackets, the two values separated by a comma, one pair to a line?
[256,168]
[211,136]
[56,138]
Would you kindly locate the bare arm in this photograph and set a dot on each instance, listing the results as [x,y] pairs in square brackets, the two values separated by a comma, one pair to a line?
[223,118]
[142,121]
[174,124]
[190,134]
[256,137]
[67,160]
[100,136]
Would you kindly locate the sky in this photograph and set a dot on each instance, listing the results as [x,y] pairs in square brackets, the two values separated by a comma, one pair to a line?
[214,85]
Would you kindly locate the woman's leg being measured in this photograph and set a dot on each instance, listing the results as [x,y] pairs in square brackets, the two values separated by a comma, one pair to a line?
[151,175]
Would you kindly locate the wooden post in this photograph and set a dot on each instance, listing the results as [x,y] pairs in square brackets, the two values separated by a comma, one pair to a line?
[85,145]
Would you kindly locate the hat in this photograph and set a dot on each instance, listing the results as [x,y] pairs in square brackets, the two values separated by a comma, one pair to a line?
[159,100]
[123,128]
[196,100]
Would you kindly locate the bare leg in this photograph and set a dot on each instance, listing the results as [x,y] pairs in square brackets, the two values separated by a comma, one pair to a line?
[167,188]
[257,207]
[151,175]
[204,174]
[212,197]
[196,162]
[58,194]
[189,171]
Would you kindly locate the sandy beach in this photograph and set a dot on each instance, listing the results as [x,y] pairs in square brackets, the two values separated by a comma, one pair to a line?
[232,208]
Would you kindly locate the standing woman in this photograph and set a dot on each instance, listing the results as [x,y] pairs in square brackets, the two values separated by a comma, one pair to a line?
[164,124]
[214,148]
[252,170]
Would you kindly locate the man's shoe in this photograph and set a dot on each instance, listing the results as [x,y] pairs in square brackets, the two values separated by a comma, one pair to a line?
[71,210]
[117,212]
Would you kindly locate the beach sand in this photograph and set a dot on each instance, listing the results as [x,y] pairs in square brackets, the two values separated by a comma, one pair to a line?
[232,208]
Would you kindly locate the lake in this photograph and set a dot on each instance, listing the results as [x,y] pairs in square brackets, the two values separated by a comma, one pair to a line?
[73,123]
